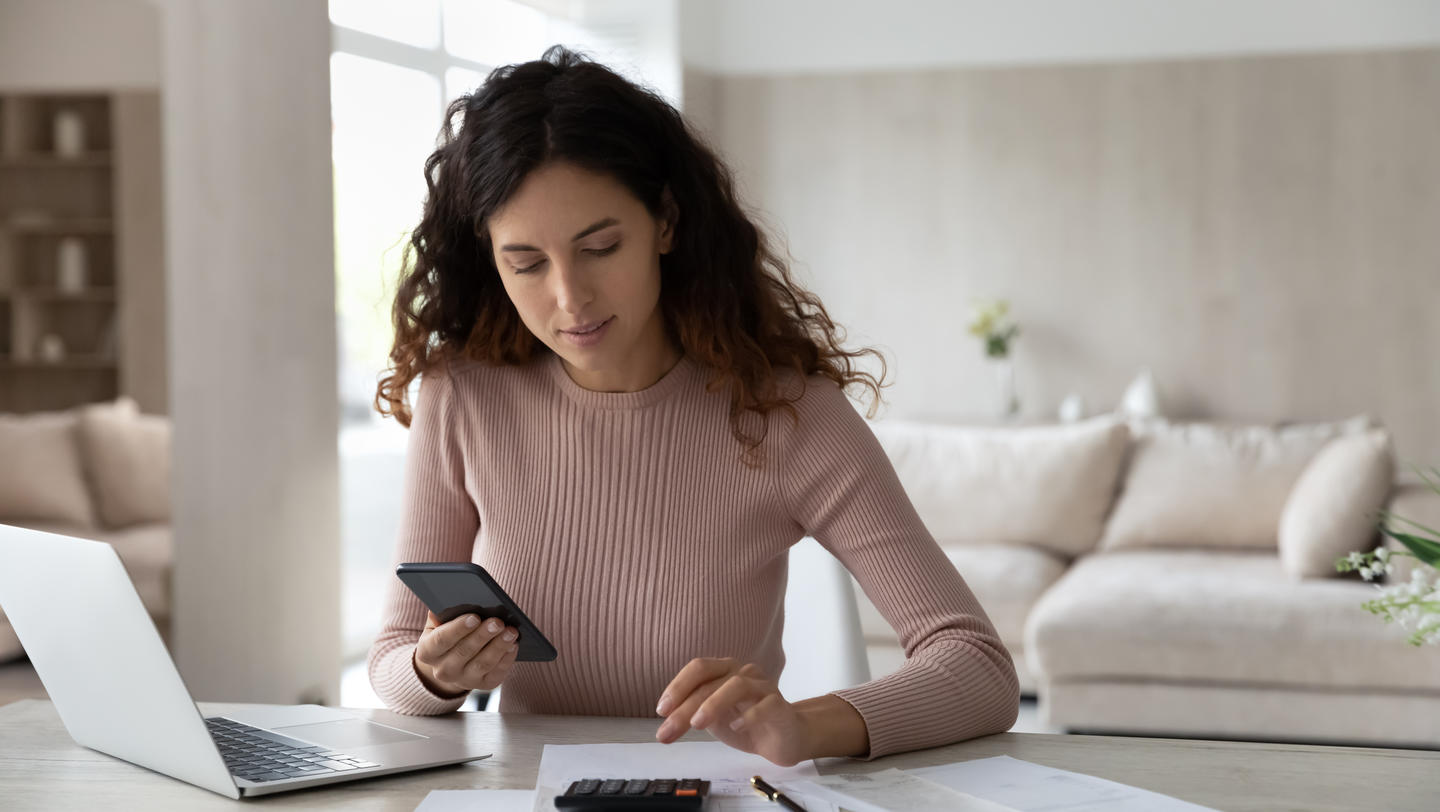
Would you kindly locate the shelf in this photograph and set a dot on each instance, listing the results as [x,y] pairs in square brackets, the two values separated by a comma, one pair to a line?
[73,362]
[61,225]
[46,160]
[106,294]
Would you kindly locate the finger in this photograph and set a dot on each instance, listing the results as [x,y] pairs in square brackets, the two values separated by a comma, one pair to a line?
[431,621]
[719,707]
[695,673]
[477,639]
[678,722]
[449,635]
[493,679]
[486,659]
[450,665]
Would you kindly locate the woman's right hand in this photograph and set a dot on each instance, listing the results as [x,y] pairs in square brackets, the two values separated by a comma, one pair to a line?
[468,653]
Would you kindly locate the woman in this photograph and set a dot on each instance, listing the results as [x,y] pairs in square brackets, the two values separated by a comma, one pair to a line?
[628,413]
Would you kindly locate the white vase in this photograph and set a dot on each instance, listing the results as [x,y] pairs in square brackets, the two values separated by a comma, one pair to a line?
[71,266]
[52,348]
[1141,398]
[69,134]
[1007,400]
[1072,408]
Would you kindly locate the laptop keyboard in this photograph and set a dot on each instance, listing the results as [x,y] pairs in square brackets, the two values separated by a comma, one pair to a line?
[260,755]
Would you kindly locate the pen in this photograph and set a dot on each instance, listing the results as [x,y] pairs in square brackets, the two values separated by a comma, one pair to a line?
[772,794]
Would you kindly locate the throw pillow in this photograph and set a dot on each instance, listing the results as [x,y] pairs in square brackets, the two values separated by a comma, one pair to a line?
[1333,507]
[1212,485]
[127,459]
[1046,486]
[42,478]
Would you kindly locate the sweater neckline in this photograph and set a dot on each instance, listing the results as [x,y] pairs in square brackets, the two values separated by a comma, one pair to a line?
[671,382]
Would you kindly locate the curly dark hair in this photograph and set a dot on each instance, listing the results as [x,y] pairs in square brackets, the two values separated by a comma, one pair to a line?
[727,298]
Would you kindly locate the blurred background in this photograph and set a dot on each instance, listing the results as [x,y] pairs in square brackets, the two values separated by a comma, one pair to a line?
[1224,211]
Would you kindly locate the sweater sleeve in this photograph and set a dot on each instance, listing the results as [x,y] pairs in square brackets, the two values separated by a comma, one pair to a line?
[958,680]
[438,522]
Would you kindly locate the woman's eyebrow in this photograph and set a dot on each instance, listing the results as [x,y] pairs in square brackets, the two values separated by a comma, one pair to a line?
[587,231]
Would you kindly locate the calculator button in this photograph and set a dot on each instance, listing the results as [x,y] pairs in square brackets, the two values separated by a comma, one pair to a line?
[612,786]
[662,786]
[587,786]
[636,786]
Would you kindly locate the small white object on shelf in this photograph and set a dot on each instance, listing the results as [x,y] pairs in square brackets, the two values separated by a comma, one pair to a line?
[51,349]
[71,265]
[69,134]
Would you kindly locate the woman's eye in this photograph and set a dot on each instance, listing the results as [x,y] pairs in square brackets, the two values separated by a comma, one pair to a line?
[603,252]
[529,268]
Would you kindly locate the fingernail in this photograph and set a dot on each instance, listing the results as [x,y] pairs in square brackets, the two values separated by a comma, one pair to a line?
[494,626]
[664,706]
[509,634]
[699,720]
[664,732]
[472,621]
[738,723]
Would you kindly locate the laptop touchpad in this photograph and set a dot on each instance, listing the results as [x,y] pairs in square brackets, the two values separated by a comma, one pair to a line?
[348,733]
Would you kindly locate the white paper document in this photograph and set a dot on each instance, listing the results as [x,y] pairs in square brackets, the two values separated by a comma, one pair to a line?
[728,770]
[469,800]
[1036,788]
[889,790]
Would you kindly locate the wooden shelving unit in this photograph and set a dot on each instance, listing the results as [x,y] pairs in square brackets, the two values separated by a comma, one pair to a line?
[63,324]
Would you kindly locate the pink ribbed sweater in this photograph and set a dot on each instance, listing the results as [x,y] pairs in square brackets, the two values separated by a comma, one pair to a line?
[630,532]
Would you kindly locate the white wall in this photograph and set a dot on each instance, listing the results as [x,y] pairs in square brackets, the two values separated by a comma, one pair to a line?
[79,44]
[750,37]
[1260,231]
[253,343]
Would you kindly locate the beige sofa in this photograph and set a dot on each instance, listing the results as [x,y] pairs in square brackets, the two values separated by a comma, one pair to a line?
[1177,579]
[101,472]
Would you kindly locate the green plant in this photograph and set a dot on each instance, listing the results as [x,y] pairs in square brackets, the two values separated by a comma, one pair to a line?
[990,325]
[1415,604]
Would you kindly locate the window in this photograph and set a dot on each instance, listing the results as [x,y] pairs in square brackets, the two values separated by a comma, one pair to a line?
[394,70]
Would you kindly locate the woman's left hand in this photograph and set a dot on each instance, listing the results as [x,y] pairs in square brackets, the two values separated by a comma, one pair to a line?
[739,705]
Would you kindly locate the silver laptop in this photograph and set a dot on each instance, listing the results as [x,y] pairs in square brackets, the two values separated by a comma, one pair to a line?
[118,692]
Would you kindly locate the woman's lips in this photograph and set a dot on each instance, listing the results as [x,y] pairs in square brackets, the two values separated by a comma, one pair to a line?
[588,337]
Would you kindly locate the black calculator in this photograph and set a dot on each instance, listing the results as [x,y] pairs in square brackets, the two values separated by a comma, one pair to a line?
[635,793]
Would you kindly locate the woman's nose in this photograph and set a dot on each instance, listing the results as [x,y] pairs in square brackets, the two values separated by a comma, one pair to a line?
[572,292]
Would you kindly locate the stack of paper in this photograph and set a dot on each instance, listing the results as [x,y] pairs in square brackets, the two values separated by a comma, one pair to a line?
[1000,784]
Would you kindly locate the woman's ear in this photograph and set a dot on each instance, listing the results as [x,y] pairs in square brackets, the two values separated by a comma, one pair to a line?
[669,216]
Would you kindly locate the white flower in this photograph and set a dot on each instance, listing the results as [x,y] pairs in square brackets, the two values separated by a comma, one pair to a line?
[1382,554]
[1367,573]
[1356,559]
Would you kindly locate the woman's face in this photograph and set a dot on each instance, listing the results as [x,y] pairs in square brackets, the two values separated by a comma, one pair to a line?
[579,256]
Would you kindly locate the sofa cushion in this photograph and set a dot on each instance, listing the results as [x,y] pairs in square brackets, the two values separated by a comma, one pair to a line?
[42,478]
[1190,616]
[1212,485]
[1333,507]
[1046,486]
[127,460]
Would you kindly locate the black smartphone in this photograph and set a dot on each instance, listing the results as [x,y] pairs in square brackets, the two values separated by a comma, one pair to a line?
[454,589]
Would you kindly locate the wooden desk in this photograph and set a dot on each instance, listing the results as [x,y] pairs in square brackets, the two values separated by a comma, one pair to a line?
[41,768]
